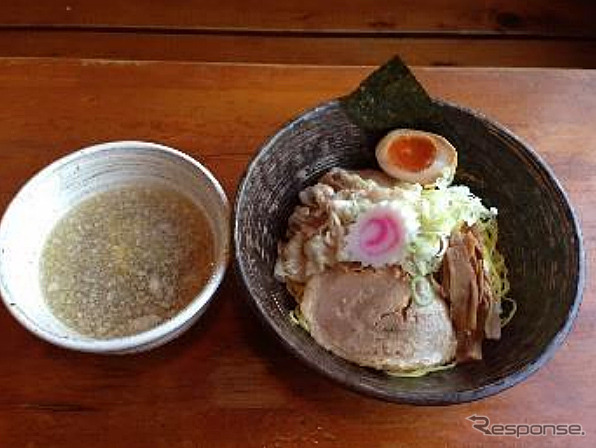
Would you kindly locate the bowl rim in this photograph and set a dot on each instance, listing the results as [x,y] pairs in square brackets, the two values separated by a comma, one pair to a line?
[419,398]
[168,329]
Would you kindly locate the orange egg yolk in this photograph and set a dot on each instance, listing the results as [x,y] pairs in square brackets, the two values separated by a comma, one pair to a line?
[412,153]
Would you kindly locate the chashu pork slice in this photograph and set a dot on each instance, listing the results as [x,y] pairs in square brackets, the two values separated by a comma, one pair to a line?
[474,308]
[368,317]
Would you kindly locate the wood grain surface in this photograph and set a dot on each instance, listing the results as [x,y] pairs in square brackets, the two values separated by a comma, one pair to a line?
[226,382]
[531,17]
[535,33]
[299,48]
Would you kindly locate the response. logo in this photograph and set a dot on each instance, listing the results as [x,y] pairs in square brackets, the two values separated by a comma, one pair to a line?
[482,423]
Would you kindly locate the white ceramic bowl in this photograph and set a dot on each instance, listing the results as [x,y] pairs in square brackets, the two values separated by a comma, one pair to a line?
[51,193]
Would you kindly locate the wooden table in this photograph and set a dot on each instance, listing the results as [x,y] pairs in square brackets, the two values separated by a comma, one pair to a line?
[227,382]
[532,33]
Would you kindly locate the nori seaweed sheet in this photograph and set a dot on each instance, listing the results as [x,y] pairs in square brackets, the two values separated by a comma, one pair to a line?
[390,98]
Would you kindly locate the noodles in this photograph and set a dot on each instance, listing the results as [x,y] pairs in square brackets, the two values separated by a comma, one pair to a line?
[421,372]
[497,269]
[507,318]
[298,319]
[395,276]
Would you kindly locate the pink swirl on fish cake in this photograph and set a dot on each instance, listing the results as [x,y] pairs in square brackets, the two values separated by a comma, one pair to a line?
[378,236]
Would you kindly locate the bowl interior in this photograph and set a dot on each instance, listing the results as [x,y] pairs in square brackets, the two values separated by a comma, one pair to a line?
[538,235]
[49,195]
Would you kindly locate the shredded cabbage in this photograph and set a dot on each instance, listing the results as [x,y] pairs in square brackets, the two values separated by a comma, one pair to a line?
[440,212]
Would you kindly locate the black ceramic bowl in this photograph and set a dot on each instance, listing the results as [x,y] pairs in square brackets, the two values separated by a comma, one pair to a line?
[539,236]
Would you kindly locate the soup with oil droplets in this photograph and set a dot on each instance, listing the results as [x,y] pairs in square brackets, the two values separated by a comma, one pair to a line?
[126,260]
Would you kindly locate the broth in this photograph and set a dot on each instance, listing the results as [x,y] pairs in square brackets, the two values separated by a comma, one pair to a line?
[126,260]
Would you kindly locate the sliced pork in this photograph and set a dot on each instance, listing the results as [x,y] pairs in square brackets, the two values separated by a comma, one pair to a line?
[473,308]
[368,317]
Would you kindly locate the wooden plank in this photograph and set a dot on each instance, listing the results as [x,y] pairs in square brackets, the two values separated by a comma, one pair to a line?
[226,382]
[531,17]
[299,49]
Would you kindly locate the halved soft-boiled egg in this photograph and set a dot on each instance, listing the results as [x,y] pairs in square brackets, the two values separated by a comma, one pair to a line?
[416,156]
